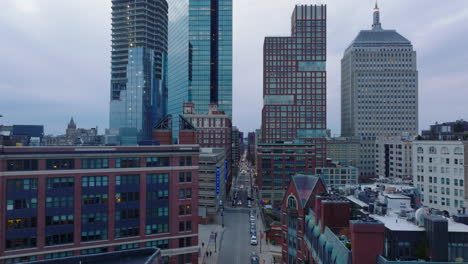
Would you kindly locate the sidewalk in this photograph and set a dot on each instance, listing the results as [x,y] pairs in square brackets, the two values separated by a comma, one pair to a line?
[206,235]
[270,253]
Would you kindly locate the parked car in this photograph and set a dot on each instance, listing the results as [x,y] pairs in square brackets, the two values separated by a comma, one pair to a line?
[253,240]
[253,231]
[254,259]
[239,202]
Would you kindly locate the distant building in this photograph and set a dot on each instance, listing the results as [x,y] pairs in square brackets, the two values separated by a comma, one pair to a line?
[335,175]
[76,136]
[379,89]
[22,135]
[235,145]
[212,180]
[393,158]
[251,147]
[412,233]
[241,143]
[213,130]
[447,131]
[295,87]
[439,171]
[277,163]
[71,201]
[345,151]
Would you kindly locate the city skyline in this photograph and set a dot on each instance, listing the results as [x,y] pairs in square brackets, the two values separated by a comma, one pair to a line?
[84,64]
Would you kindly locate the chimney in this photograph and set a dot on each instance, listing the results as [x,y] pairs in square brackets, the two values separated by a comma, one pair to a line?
[163,136]
[367,238]
[335,214]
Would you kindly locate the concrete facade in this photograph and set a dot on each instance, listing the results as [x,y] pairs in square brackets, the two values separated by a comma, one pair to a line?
[439,171]
[393,158]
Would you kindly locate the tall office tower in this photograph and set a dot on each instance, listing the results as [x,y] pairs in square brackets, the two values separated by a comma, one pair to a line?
[200,55]
[379,89]
[294,82]
[139,65]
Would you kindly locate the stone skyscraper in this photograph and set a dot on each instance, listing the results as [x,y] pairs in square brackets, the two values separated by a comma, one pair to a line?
[379,89]
[294,82]
[139,66]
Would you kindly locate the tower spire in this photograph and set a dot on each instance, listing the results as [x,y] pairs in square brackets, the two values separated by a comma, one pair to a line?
[376,25]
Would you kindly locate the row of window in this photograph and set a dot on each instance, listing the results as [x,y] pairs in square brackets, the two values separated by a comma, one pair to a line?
[92,163]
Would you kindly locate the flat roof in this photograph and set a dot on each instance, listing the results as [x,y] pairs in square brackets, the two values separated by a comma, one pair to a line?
[356,201]
[396,196]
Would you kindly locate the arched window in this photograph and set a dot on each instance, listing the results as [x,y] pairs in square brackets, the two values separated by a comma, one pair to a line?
[432,150]
[420,150]
[444,151]
[292,202]
[458,151]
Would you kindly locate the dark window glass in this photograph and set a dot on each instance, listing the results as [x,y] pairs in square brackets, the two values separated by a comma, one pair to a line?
[60,164]
[22,165]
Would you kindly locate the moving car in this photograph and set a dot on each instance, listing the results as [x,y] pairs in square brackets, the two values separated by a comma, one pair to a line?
[253,240]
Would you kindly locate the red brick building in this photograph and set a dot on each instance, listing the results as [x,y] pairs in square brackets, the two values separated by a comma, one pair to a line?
[294,81]
[69,201]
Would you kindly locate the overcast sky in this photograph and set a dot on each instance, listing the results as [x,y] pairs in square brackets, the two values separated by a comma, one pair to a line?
[55,57]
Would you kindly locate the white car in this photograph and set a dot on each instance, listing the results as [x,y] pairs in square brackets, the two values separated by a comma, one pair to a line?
[239,202]
[253,241]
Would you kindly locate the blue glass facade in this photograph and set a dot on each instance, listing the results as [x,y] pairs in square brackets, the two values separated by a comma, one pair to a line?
[139,66]
[200,55]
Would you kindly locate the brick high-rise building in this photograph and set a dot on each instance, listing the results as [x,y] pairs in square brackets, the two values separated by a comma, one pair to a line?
[294,81]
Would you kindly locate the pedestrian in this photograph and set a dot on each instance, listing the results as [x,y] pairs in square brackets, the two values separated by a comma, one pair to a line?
[210,253]
[202,244]
[206,253]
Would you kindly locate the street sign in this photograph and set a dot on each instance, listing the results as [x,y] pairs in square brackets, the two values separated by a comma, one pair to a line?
[217,180]
[225,170]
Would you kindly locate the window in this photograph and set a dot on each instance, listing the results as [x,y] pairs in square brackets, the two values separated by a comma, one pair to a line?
[127,179]
[25,203]
[127,162]
[22,165]
[444,151]
[94,217]
[127,246]
[420,150]
[57,239]
[60,182]
[20,223]
[59,220]
[185,161]
[162,244]
[60,164]
[432,150]
[59,202]
[127,197]
[93,235]
[94,181]
[185,193]
[157,178]
[185,209]
[157,162]
[292,202]
[185,177]
[21,242]
[94,163]
[127,214]
[21,185]
[127,232]
[99,198]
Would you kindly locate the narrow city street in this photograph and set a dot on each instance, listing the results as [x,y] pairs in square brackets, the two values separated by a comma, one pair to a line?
[236,247]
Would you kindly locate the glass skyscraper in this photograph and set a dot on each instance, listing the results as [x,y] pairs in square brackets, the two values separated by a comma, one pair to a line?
[200,55]
[139,90]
